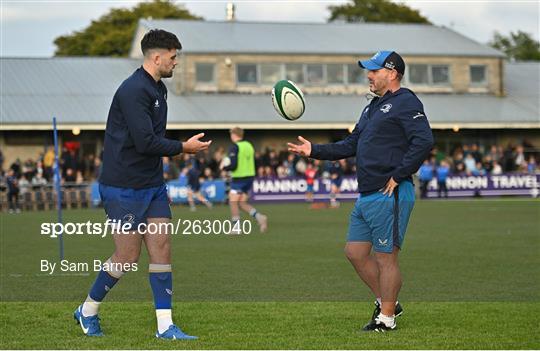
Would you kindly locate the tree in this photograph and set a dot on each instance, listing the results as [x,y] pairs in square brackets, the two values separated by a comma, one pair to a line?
[376,11]
[518,46]
[112,34]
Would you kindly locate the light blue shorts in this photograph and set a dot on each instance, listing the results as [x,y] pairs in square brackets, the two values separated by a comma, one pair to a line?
[382,219]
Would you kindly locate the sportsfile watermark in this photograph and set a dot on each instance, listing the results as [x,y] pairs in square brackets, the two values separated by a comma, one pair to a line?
[181,226]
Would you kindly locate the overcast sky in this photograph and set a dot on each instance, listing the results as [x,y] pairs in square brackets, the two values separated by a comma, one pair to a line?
[28,28]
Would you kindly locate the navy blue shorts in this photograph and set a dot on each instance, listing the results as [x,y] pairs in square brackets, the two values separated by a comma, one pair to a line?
[134,206]
[195,187]
[239,186]
[337,182]
[382,219]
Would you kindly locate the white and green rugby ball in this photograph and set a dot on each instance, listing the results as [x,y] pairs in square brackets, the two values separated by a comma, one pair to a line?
[288,100]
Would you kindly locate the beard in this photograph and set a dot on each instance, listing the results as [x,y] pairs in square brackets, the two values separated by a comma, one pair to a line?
[166,74]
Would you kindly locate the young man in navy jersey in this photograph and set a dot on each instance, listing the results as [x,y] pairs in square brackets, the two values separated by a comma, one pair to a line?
[390,141]
[132,187]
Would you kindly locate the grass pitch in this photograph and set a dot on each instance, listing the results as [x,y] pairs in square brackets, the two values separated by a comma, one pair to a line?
[471,273]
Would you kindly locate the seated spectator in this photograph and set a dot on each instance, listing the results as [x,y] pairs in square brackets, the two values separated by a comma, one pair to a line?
[38,181]
[531,165]
[24,184]
[478,169]
[470,164]
[496,169]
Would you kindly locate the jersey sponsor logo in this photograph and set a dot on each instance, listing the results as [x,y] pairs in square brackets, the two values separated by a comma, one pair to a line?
[386,108]
[418,115]
[156,104]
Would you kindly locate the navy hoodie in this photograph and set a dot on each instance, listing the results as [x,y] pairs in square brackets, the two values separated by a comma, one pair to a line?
[135,135]
[391,139]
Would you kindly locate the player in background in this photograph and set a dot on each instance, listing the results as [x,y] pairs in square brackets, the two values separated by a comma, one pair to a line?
[310,174]
[390,141]
[132,186]
[242,167]
[194,185]
[336,178]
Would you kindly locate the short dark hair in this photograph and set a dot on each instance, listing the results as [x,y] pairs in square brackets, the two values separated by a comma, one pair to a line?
[159,39]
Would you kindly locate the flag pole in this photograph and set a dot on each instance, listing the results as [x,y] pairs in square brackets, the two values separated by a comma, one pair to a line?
[58,189]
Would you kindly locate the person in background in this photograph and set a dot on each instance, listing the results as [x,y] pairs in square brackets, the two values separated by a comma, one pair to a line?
[194,186]
[531,165]
[13,191]
[242,168]
[336,177]
[48,163]
[38,181]
[442,174]
[425,174]
[311,173]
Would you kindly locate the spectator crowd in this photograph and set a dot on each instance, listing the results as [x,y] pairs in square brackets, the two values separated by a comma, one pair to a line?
[467,159]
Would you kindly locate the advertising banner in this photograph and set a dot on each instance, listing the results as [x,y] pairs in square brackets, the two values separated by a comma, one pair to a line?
[489,185]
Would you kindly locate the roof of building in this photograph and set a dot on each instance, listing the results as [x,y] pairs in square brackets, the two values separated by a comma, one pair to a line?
[319,38]
[78,91]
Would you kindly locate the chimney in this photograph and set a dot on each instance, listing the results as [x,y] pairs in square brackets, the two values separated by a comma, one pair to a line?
[230,12]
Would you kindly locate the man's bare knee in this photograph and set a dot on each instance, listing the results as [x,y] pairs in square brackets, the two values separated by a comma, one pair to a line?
[355,253]
[126,257]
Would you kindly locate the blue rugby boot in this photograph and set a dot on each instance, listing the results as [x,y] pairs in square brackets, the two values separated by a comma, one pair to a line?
[174,333]
[89,325]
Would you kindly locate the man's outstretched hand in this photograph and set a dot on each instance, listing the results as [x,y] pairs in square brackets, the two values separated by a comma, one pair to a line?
[302,149]
[194,144]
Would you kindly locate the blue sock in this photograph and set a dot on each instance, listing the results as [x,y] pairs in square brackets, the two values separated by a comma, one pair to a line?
[104,282]
[160,277]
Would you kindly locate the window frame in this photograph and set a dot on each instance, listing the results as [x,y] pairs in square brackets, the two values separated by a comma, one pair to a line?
[211,82]
[482,83]
[257,75]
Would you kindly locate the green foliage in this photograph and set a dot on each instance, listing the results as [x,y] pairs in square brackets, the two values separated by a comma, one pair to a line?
[112,34]
[376,11]
[518,46]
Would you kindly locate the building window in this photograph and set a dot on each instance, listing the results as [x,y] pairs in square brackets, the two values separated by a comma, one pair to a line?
[294,72]
[246,73]
[355,74]
[204,72]
[270,73]
[478,74]
[440,75]
[315,74]
[418,74]
[334,74]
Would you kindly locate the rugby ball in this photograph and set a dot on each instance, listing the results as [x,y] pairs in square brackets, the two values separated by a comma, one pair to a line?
[288,100]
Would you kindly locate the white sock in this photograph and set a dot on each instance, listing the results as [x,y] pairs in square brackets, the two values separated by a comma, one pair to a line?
[164,320]
[259,216]
[90,307]
[387,320]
